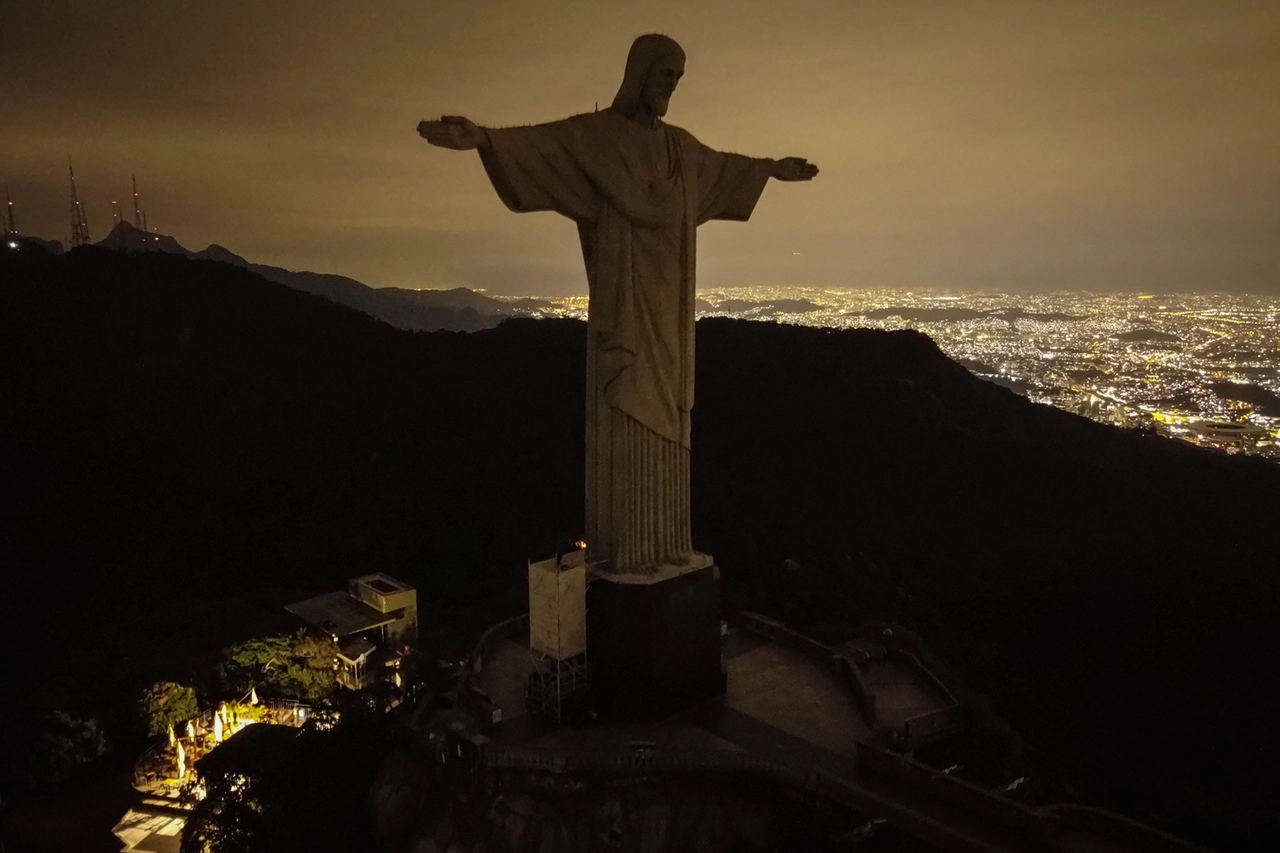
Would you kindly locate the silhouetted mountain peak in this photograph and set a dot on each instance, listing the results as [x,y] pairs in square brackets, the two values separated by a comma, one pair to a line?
[125,238]
[221,254]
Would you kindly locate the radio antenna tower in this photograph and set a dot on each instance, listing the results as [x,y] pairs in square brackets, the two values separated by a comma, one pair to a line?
[115,215]
[9,227]
[79,225]
[137,212]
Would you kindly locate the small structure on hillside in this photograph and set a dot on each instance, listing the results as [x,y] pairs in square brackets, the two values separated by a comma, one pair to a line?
[560,681]
[374,621]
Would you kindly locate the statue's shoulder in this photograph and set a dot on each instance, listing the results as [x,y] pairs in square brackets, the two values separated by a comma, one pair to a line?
[581,118]
[590,119]
[586,124]
[685,137]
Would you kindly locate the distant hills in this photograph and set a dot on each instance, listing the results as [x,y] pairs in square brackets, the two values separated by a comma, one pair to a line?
[1264,402]
[458,310]
[951,314]
[185,445]
[23,240]
[1148,336]
[758,309]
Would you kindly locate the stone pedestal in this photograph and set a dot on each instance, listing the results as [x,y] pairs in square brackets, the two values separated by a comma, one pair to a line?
[653,641]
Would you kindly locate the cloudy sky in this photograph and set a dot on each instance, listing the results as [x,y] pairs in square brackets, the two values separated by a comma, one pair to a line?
[1079,144]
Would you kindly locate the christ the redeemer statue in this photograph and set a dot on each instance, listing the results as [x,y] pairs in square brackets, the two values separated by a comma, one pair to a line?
[637,188]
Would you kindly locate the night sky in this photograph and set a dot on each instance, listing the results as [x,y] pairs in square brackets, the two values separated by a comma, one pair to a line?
[1089,144]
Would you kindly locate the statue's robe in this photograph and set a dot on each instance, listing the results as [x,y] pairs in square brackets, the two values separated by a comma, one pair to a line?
[637,195]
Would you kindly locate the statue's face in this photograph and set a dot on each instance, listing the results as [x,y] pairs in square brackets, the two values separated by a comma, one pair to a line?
[663,77]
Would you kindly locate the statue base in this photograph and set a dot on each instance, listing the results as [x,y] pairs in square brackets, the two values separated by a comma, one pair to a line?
[653,640]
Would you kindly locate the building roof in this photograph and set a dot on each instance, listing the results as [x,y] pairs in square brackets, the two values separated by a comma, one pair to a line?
[383,583]
[352,650]
[339,614]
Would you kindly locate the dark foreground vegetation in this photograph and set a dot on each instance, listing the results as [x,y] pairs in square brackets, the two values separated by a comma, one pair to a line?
[185,447]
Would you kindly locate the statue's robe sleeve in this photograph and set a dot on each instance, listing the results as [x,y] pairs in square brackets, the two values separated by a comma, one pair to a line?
[729,185]
[718,185]
[540,168]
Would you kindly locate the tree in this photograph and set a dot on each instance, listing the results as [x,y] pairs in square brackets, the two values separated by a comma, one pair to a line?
[310,673]
[166,704]
[299,666]
[229,819]
[64,743]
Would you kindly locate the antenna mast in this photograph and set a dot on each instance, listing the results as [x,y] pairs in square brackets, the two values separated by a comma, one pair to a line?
[9,227]
[79,225]
[115,215]
[137,212]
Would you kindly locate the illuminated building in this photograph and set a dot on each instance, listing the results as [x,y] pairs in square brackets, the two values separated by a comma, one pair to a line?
[374,622]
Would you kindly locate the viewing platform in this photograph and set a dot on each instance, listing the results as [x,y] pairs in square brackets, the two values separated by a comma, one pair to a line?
[835,724]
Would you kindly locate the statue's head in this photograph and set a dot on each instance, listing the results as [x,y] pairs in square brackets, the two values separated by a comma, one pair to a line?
[655,65]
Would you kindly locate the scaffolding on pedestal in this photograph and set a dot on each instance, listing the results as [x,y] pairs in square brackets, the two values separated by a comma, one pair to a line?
[559,689]
[559,683]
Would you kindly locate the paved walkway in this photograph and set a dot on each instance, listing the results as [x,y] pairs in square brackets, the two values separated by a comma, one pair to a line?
[797,695]
[503,675]
[787,706]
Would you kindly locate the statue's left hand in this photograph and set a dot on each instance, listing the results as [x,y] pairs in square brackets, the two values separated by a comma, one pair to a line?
[794,169]
[456,132]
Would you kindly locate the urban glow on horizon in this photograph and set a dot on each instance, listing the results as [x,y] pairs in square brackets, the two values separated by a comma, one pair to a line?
[1201,367]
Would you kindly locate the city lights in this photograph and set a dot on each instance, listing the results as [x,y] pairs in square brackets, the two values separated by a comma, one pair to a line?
[1204,368]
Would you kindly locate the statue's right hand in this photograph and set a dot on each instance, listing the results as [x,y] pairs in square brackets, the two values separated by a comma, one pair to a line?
[454,132]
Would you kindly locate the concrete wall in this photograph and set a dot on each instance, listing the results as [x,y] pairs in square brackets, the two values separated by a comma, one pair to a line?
[383,602]
[866,697]
[654,648]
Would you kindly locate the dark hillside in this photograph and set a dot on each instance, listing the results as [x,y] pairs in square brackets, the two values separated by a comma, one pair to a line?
[1113,592]
[185,446]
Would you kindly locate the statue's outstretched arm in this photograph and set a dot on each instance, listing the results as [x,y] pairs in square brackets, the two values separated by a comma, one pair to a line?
[456,132]
[532,168]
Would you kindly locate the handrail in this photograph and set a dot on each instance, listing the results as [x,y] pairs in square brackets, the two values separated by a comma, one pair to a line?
[158,744]
[947,787]
[812,781]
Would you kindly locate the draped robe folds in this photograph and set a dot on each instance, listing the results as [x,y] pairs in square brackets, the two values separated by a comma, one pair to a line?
[637,195]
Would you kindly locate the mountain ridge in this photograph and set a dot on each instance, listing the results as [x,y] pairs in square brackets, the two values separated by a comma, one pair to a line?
[426,310]
[186,445]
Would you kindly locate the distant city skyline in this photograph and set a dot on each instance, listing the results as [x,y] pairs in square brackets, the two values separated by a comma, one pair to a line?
[1006,146]
[1200,367]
